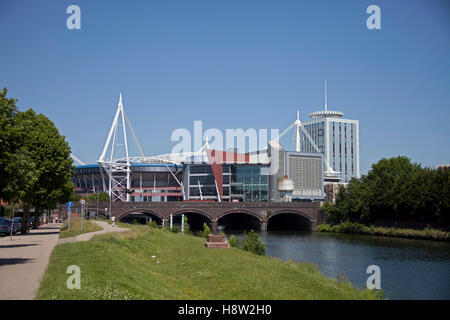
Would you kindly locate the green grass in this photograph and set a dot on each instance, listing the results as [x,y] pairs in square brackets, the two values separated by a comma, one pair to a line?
[358,228]
[120,266]
[75,227]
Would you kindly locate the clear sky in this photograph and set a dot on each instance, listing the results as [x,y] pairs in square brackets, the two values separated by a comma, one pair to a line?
[233,64]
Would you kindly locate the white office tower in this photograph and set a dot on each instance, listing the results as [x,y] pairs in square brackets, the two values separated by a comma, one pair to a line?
[337,138]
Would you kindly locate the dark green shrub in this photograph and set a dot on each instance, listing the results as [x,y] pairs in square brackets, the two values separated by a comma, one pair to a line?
[206,230]
[233,241]
[253,243]
[323,228]
[186,225]
[175,229]
[350,227]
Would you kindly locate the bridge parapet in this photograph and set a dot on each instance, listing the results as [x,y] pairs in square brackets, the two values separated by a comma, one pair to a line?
[211,210]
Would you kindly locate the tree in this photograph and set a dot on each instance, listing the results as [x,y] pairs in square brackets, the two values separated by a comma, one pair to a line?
[8,142]
[101,196]
[394,189]
[35,163]
[50,154]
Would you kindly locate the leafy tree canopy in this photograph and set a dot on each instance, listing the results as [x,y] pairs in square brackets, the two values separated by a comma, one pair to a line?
[395,189]
[35,163]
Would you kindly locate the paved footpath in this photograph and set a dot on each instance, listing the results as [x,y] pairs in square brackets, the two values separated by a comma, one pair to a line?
[88,236]
[23,261]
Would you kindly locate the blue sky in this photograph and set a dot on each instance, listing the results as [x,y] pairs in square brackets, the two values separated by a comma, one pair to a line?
[233,64]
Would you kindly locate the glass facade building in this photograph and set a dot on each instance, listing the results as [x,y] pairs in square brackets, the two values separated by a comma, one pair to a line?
[239,183]
[247,183]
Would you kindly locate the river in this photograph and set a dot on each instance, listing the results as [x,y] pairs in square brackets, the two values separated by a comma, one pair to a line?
[410,269]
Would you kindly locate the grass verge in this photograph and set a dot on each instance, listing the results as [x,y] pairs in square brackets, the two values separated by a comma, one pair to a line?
[75,227]
[120,266]
[358,228]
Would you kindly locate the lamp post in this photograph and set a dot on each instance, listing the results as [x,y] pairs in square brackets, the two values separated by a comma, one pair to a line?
[96,213]
[12,222]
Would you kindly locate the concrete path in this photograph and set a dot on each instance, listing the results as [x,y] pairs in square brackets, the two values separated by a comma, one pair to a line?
[88,236]
[23,261]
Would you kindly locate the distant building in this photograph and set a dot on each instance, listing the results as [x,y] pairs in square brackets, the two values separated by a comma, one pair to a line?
[337,138]
[443,167]
[305,170]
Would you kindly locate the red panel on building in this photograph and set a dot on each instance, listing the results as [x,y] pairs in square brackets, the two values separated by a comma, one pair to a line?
[217,158]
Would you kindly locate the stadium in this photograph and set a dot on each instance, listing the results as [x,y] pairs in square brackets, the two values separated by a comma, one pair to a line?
[215,175]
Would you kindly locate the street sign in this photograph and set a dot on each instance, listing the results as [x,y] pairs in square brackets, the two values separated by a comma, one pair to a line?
[82,201]
[69,204]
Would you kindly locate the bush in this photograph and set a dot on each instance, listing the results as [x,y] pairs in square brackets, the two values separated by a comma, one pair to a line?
[153,224]
[323,228]
[175,229]
[206,230]
[345,227]
[253,243]
[350,227]
[233,241]
[186,225]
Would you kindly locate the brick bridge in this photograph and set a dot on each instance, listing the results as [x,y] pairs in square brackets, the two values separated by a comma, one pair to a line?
[211,212]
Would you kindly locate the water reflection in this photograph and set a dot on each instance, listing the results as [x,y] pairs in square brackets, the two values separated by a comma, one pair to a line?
[410,269]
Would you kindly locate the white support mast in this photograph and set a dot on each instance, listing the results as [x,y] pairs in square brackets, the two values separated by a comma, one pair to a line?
[118,170]
[200,190]
[297,125]
[297,133]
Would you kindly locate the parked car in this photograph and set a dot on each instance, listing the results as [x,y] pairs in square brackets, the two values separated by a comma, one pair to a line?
[12,225]
[4,227]
[18,222]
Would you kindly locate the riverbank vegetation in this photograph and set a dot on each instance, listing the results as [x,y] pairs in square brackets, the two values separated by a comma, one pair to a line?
[150,263]
[396,190]
[75,227]
[251,242]
[358,228]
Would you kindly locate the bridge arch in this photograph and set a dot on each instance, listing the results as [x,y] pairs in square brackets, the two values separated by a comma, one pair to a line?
[94,213]
[141,215]
[288,219]
[239,220]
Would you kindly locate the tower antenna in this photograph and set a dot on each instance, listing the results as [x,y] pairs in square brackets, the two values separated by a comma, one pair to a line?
[326,107]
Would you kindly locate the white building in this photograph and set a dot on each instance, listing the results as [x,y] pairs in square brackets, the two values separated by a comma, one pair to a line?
[337,138]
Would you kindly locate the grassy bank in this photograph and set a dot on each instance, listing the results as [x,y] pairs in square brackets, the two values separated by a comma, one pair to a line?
[75,227]
[121,266]
[357,228]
